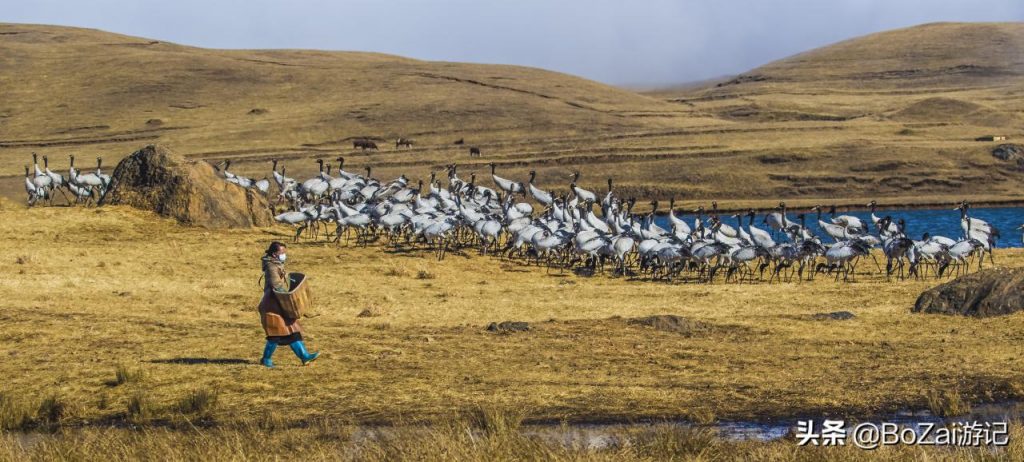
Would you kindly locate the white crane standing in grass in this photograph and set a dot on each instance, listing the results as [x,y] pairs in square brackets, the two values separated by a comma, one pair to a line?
[35,192]
[979,230]
[581,194]
[760,237]
[57,181]
[539,195]
[42,181]
[91,181]
[509,186]
[104,178]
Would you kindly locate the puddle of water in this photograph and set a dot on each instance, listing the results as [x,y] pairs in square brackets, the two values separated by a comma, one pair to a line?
[597,436]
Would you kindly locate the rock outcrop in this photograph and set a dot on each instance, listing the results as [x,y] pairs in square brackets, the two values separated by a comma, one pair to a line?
[992,292]
[1008,152]
[156,179]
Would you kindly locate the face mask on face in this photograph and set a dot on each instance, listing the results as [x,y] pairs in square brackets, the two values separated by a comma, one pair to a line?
[282,257]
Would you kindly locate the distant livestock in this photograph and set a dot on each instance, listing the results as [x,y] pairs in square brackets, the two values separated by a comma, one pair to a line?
[460,141]
[474,151]
[364,145]
[403,142]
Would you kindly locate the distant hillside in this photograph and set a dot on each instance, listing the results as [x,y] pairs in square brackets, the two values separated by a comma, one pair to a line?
[941,54]
[93,91]
[960,73]
[891,116]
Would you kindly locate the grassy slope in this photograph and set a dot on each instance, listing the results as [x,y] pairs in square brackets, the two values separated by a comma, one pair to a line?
[828,124]
[164,294]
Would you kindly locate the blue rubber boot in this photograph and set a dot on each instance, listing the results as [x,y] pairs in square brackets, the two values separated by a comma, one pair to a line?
[268,351]
[300,350]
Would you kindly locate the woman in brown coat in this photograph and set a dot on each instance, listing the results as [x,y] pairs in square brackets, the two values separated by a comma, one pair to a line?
[280,329]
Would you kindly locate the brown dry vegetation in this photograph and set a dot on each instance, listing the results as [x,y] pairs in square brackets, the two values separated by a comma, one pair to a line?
[119,316]
[890,116]
[488,437]
[115,316]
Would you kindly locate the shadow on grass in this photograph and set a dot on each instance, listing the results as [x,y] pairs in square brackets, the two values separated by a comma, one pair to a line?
[193,361]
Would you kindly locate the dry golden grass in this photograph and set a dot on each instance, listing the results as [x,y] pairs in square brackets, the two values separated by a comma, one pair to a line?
[487,436]
[889,116]
[111,289]
[115,316]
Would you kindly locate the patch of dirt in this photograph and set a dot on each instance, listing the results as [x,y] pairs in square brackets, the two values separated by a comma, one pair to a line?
[886,166]
[82,129]
[508,326]
[669,323]
[953,110]
[834,316]
[371,312]
[992,292]
[186,105]
[156,179]
[772,159]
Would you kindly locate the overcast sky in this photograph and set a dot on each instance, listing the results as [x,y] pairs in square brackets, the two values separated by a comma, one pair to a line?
[640,42]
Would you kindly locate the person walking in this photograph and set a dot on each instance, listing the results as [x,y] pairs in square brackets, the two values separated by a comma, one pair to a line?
[280,329]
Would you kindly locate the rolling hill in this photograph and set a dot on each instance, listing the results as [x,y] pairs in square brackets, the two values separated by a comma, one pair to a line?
[891,116]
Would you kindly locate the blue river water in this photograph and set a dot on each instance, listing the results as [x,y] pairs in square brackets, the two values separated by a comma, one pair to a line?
[937,222]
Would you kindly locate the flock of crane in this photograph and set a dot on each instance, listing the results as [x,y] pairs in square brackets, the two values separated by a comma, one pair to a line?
[564,232]
[43,184]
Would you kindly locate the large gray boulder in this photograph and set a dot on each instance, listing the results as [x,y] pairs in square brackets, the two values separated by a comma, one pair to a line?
[992,292]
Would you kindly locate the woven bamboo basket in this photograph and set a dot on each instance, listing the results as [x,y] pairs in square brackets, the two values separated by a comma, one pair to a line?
[298,299]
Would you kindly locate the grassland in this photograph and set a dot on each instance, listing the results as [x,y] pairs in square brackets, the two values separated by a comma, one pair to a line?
[130,335]
[491,437]
[120,317]
[890,116]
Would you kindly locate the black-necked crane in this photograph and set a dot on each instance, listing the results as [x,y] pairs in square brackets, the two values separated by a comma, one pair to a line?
[961,253]
[976,228]
[837,232]
[608,203]
[842,257]
[539,195]
[236,179]
[679,226]
[504,184]
[760,237]
[852,224]
[723,227]
[58,181]
[40,179]
[89,180]
[582,194]
[103,176]
[777,220]
[455,184]
[314,188]
[35,193]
